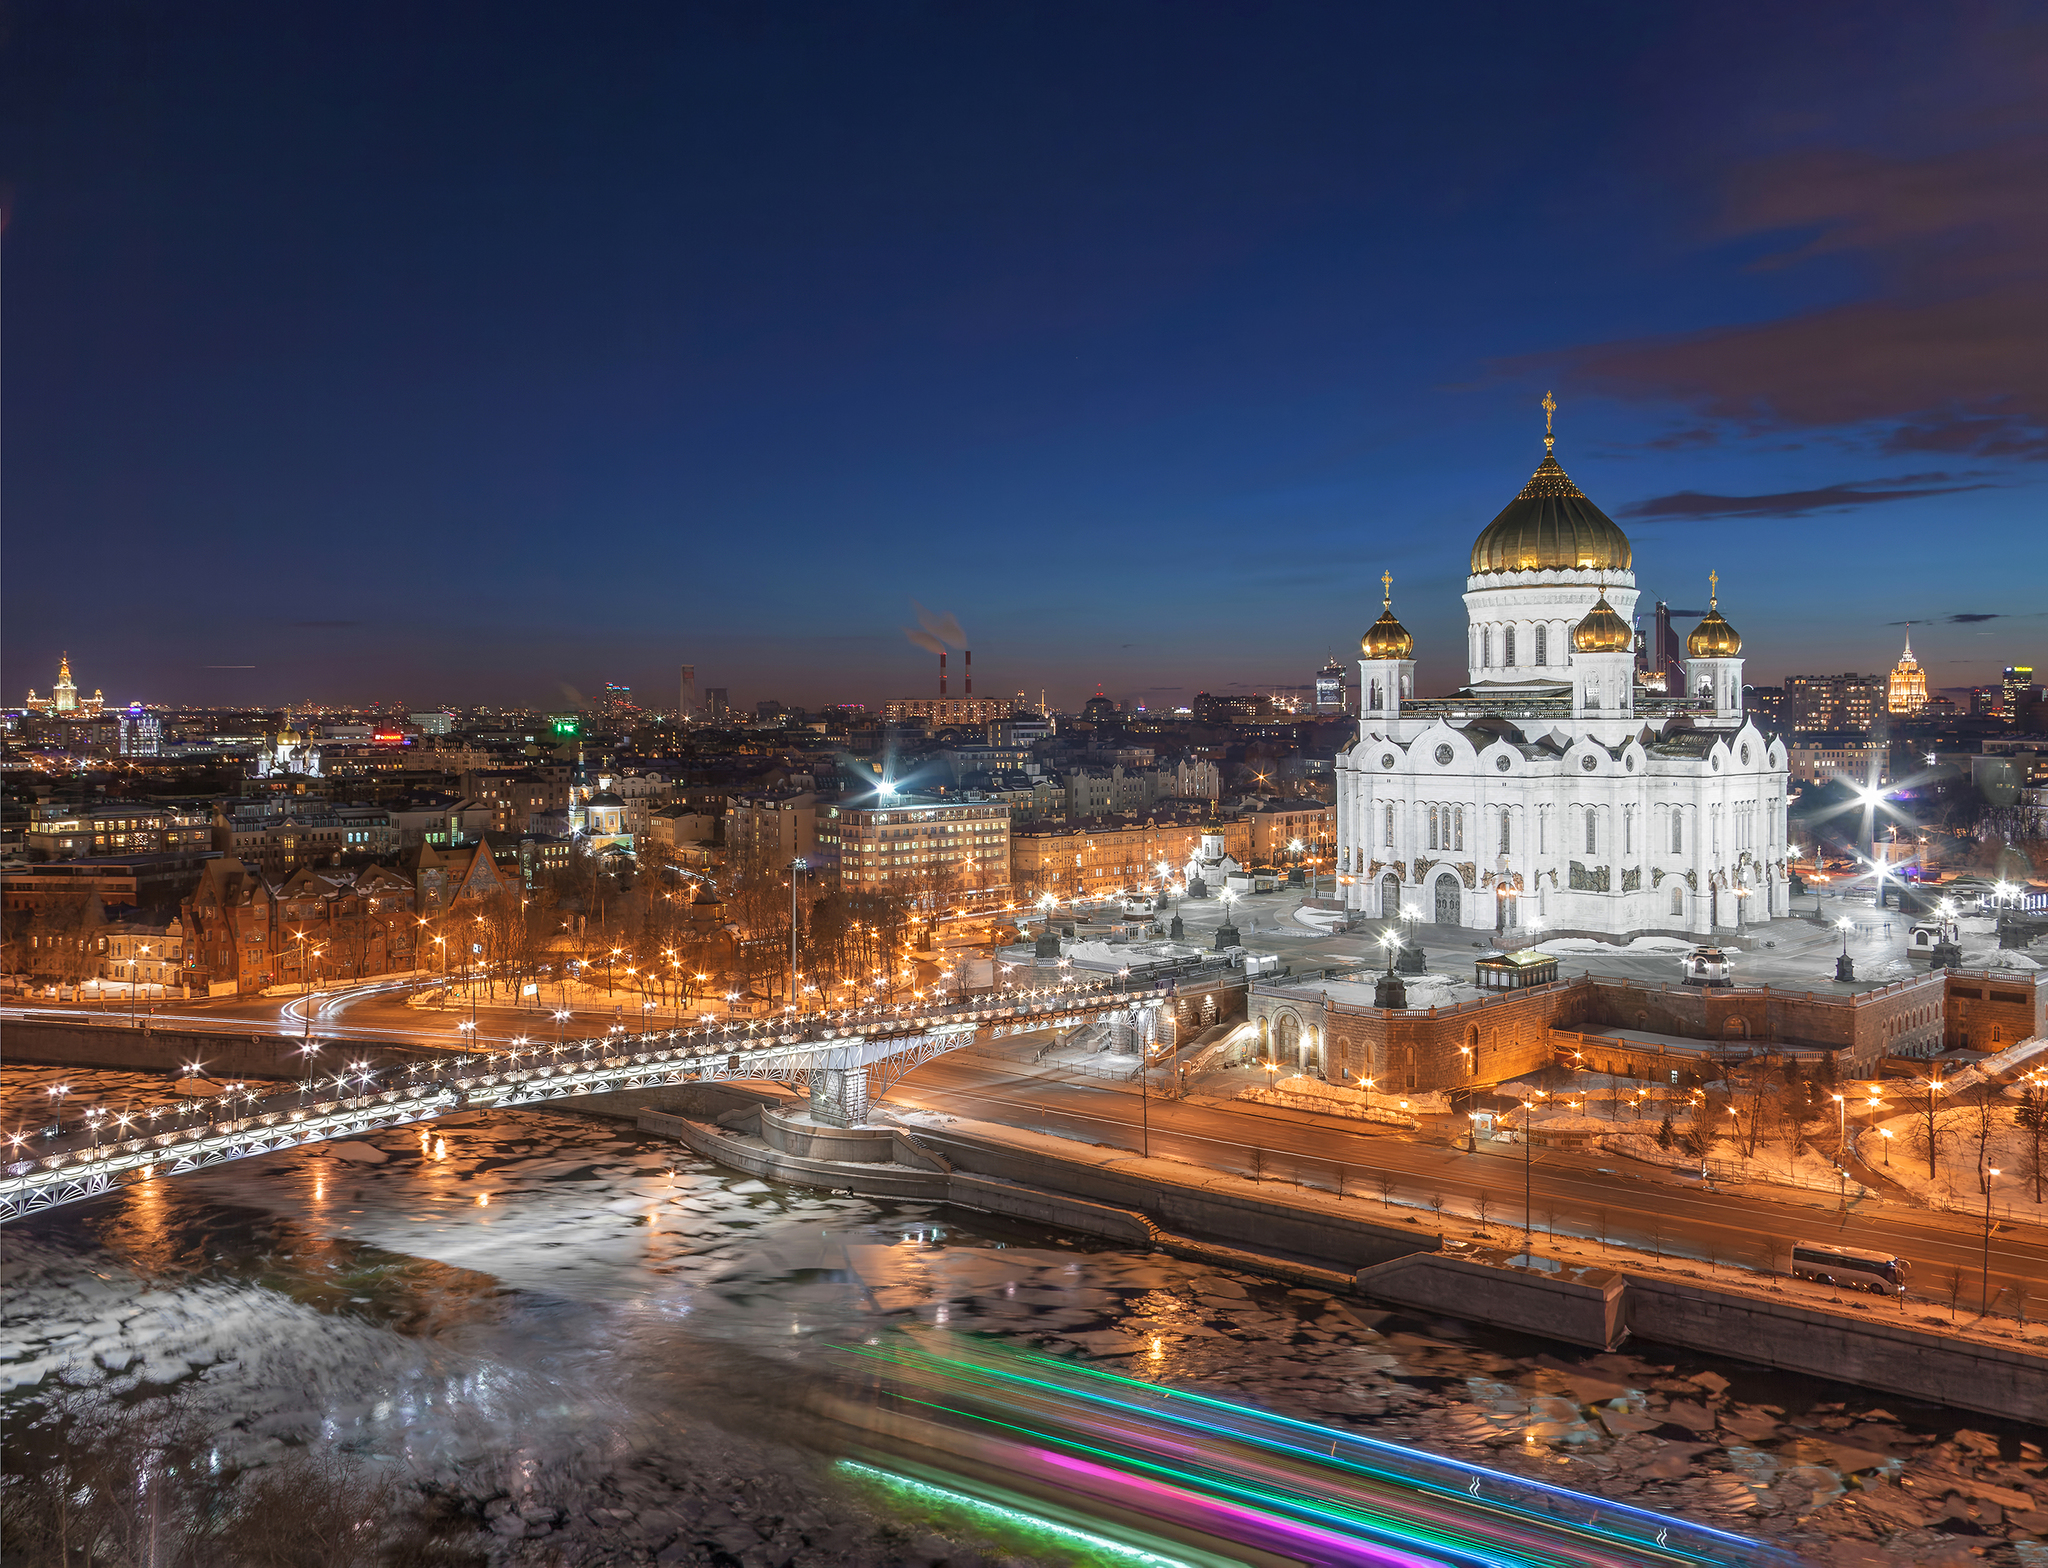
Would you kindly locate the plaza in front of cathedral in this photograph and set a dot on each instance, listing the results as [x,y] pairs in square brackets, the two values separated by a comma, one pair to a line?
[1555,790]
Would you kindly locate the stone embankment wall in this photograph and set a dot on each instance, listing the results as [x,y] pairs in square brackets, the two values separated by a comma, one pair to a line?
[1235,1223]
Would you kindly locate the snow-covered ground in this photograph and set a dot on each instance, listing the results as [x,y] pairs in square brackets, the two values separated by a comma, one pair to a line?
[1955,1183]
[1329,1099]
[1642,944]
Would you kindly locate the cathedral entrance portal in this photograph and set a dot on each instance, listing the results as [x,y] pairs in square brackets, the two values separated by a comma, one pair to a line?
[1390,896]
[1449,906]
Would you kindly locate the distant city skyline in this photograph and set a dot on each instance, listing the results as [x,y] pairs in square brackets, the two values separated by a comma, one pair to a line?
[500,364]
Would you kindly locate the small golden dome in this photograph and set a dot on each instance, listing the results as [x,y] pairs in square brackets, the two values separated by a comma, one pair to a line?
[1387,638]
[1713,638]
[1602,631]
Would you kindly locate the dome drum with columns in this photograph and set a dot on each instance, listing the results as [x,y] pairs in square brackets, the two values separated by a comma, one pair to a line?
[1551,788]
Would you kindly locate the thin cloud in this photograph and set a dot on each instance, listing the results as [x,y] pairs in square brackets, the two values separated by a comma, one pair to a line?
[1947,353]
[1785,503]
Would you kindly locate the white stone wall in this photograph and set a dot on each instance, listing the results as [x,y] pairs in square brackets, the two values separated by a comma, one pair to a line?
[1730,803]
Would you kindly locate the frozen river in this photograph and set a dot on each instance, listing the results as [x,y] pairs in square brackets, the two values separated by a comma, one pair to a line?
[575,1334]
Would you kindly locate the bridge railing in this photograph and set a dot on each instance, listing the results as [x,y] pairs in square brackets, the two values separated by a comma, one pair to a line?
[584,1065]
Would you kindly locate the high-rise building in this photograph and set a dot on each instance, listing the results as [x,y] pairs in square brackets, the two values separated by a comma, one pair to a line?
[1824,704]
[686,707]
[1330,688]
[615,710]
[2019,690]
[1667,651]
[64,700]
[717,704]
[1906,693]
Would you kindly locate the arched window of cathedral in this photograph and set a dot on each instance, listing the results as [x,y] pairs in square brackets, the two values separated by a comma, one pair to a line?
[1503,830]
[1375,703]
[1390,827]
[1507,639]
[1677,831]
[1432,827]
[1678,898]
[1486,647]
[1458,827]
[1591,825]
[1542,645]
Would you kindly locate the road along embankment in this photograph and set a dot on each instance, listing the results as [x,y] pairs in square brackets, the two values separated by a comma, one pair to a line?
[1309,1238]
[245,1055]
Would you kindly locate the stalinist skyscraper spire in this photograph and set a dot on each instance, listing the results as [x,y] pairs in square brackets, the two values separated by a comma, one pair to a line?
[1907,690]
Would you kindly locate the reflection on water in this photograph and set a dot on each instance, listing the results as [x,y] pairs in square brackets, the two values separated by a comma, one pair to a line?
[562,1314]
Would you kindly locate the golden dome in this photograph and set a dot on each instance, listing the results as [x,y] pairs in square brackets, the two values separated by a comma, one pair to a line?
[1387,638]
[1551,526]
[1713,638]
[1602,631]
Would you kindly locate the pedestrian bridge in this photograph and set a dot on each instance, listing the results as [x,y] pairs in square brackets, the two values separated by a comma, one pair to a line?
[832,1054]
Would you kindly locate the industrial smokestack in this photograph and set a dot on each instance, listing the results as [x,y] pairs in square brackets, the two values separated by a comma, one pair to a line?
[968,659]
[942,675]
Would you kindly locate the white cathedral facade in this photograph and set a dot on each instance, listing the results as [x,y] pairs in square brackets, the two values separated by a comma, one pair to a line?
[1551,789]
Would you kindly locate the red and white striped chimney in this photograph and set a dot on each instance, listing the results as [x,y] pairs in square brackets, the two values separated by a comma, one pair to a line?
[942,675]
[968,657]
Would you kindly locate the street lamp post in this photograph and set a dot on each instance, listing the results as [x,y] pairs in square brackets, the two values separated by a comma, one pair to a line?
[1984,1273]
[134,969]
[1845,966]
[1842,1144]
[795,866]
[1529,1176]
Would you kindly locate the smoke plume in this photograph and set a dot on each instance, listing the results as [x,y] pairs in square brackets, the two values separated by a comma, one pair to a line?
[944,628]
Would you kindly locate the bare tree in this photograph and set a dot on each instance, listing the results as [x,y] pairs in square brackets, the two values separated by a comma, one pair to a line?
[1979,1116]
[1927,1130]
[2031,1115]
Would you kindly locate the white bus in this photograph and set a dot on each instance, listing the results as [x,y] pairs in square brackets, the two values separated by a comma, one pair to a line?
[1850,1267]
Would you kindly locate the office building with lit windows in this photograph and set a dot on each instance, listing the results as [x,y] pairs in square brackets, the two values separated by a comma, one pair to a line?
[931,850]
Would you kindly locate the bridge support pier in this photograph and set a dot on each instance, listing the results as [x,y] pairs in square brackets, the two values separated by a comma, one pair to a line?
[839,1096]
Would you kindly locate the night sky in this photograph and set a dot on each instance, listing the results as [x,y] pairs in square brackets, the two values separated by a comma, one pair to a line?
[487,353]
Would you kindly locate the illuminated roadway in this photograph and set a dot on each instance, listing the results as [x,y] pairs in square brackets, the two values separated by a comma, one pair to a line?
[1652,1215]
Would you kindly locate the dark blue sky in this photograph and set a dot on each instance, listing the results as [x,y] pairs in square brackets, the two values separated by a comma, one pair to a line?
[474,352]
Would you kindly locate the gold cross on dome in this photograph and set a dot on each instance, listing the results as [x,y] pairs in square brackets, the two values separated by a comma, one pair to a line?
[1713,590]
[1549,409]
[1387,599]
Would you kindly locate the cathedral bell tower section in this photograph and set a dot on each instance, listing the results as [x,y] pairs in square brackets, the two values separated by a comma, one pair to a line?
[1386,673]
[1713,662]
[1603,665]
